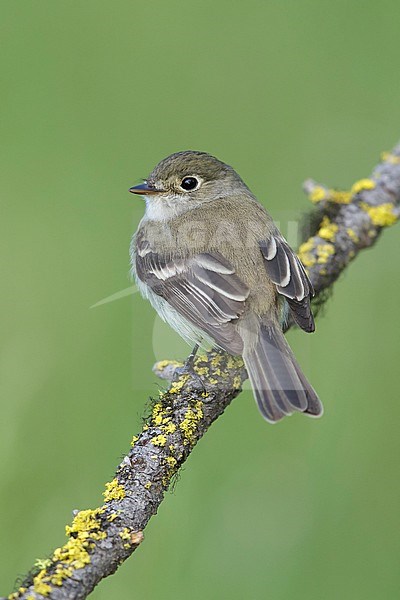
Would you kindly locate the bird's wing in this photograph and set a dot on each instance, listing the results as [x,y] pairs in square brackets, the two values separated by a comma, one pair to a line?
[288,274]
[203,288]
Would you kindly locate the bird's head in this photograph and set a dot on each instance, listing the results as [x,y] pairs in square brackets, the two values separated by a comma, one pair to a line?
[186,180]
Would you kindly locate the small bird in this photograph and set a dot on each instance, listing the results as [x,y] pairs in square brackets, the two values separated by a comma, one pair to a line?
[209,258]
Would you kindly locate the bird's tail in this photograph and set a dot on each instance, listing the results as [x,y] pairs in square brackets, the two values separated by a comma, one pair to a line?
[279,385]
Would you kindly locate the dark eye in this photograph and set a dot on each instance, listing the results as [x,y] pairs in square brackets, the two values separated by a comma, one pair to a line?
[189,183]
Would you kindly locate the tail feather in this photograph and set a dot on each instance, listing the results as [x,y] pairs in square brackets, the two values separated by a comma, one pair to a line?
[272,405]
[314,406]
[279,385]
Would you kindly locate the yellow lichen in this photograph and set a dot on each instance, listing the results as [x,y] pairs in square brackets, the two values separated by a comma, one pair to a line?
[159,440]
[324,251]
[39,583]
[157,414]
[237,382]
[305,254]
[362,184]
[113,491]
[318,194]
[171,461]
[134,440]
[125,534]
[172,464]
[190,422]
[148,485]
[327,229]
[306,246]
[162,364]
[112,517]
[42,563]
[216,359]
[307,259]
[85,522]
[390,158]
[60,574]
[381,215]
[74,552]
[234,362]
[170,428]
[202,370]
[131,538]
[16,595]
[85,527]
[352,235]
[178,385]
[340,197]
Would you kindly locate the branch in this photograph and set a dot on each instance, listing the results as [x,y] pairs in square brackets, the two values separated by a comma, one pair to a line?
[100,539]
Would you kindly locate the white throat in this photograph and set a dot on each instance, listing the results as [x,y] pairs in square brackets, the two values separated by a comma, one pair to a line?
[164,208]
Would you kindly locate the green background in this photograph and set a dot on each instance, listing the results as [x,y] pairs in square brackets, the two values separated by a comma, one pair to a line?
[93,94]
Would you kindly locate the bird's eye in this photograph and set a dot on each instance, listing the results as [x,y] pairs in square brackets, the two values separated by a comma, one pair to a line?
[189,183]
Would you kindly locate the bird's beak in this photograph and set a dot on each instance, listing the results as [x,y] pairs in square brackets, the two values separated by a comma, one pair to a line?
[143,189]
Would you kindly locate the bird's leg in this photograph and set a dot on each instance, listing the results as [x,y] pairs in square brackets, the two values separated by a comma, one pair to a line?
[188,368]
[189,363]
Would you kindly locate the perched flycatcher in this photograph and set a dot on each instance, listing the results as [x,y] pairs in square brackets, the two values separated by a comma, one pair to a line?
[214,266]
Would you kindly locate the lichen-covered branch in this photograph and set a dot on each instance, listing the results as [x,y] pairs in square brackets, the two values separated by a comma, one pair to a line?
[350,221]
[100,539]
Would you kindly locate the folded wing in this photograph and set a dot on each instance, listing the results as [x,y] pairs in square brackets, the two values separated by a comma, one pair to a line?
[203,288]
[288,274]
